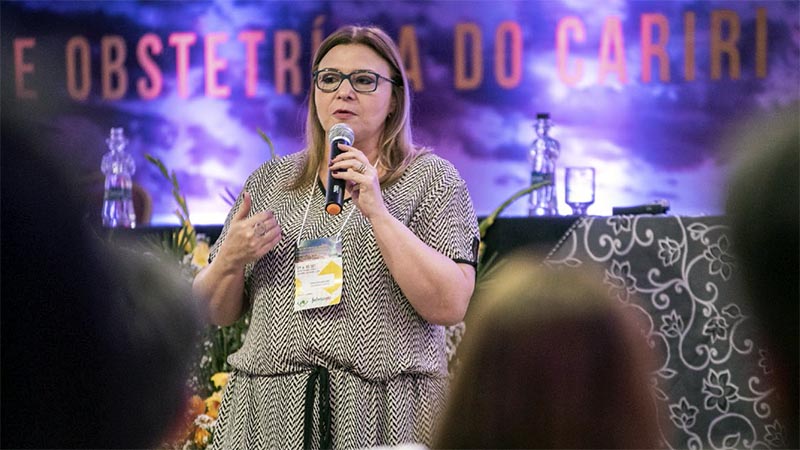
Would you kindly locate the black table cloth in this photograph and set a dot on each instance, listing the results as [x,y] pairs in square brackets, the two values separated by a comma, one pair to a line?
[678,275]
[715,382]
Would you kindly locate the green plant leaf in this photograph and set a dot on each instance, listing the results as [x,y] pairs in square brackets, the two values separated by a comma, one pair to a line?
[157,162]
[486,268]
[229,197]
[182,203]
[489,220]
[180,216]
[264,136]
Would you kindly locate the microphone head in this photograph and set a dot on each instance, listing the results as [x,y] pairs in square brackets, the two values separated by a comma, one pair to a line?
[333,209]
[341,132]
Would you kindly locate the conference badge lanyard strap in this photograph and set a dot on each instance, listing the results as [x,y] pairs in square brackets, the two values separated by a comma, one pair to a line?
[318,267]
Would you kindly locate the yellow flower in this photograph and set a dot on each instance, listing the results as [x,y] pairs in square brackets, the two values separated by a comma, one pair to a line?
[188,230]
[200,254]
[220,379]
[212,404]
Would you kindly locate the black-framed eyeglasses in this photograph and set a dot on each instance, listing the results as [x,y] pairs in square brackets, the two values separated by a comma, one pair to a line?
[363,81]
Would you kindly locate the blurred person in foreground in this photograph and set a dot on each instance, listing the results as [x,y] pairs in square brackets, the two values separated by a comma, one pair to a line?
[96,342]
[550,361]
[364,362]
[764,215]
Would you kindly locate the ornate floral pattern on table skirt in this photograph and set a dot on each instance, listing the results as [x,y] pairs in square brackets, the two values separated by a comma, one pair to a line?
[714,379]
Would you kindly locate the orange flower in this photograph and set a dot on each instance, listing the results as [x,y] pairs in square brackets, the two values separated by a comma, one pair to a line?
[196,406]
[184,425]
[201,437]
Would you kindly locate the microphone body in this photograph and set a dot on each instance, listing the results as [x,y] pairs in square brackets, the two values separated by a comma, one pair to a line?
[334,196]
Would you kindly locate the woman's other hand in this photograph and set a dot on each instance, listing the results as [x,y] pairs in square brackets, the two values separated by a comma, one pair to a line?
[250,238]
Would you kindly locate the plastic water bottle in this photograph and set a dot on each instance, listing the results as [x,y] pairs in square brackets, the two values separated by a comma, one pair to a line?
[542,158]
[118,167]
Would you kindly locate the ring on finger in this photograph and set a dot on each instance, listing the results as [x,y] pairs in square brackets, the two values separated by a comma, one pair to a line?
[259,229]
[362,168]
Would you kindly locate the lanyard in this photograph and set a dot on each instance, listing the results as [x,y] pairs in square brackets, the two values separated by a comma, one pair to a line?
[308,208]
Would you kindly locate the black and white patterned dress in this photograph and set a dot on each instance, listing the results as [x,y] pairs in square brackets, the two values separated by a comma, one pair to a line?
[382,366]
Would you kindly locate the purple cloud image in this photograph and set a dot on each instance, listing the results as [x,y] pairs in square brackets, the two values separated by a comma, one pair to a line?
[711,65]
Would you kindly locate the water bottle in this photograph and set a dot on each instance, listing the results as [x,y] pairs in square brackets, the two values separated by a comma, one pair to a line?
[542,158]
[118,167]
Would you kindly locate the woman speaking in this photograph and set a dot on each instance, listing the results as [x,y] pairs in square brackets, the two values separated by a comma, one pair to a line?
[346,346]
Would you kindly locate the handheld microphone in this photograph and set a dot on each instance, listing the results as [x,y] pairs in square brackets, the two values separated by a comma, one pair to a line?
[338,134]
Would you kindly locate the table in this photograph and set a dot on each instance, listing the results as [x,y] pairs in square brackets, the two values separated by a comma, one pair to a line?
[714,381]
[534,234]
[714,384]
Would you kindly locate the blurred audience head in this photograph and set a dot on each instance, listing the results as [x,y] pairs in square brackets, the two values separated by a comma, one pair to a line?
[96,342]
[549,360]
[764,215]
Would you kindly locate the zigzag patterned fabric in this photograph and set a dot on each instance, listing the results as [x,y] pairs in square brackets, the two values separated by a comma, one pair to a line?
[387,365]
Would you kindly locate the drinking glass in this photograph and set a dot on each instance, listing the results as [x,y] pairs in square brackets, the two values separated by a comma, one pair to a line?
[579,188]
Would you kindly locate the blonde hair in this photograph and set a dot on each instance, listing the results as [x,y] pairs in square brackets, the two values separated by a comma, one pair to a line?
[396,147]
[550,360]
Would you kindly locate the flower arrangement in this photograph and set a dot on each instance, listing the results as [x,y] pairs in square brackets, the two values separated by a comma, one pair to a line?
[210,374]
[183,244]
[202,415]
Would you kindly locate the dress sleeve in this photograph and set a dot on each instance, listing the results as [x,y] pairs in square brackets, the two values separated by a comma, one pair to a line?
[445,218]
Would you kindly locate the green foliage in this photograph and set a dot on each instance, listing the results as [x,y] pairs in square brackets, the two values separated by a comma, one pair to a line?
[218,343]
[487,266]
[183,240]
[266,138]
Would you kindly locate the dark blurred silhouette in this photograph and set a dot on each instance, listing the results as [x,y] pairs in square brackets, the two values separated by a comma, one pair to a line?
[550,361]
[96,342]
[762,208]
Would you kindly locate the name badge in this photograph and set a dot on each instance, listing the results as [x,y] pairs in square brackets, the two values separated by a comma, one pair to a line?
[317,273]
